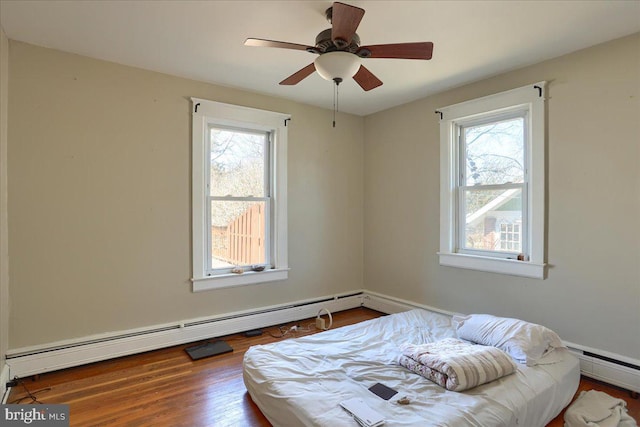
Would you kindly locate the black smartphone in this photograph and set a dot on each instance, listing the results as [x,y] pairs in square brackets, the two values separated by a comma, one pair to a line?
[382,391]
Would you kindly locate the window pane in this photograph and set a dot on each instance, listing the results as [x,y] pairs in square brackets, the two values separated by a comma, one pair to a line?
[237,233]
[495,152]
[237,163]
[510,236]
[493,220]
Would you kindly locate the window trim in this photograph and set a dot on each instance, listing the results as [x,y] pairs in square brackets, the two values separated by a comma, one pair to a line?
[204,114]
[531,98]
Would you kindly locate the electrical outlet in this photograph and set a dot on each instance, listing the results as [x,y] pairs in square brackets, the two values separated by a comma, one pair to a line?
[320,323]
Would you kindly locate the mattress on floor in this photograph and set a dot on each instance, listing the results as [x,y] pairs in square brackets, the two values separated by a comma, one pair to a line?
[301,382]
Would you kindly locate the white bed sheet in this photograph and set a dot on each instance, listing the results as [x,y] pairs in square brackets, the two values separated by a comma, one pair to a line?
[301,382]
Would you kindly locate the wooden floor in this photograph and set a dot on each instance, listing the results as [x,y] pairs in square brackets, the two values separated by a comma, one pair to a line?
[166,388]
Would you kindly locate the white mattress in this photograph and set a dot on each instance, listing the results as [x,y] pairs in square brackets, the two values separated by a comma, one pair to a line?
[301,382]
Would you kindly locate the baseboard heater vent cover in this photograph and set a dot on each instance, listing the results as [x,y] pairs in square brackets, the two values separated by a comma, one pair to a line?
[612,370]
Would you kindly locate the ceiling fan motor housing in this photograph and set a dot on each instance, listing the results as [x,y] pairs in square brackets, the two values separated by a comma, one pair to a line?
[325,44]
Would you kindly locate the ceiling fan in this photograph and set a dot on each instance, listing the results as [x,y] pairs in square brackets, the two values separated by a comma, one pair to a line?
[340,52]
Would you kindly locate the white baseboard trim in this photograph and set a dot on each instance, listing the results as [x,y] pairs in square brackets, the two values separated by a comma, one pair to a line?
[389,305]
[4,378]
[65,354]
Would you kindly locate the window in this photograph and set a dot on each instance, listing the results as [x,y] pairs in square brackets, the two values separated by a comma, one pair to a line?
[239,199]
[492,183]
[511,237]
[239,195]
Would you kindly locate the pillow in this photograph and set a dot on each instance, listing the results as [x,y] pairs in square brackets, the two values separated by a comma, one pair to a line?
[525,342]
[455,364]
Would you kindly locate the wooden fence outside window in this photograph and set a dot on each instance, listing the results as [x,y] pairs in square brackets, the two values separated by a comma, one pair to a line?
[241,242]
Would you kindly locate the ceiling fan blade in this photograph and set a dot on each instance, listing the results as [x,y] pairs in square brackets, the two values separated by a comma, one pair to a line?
[421,50]
[344,23]
[298,76]
[366,79]
[273,43]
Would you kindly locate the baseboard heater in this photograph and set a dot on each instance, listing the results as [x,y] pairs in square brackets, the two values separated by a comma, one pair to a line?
[608,369]
[61,355]
[603,366]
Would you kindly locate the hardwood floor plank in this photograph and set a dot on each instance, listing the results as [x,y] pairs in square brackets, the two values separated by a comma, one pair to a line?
[166,388]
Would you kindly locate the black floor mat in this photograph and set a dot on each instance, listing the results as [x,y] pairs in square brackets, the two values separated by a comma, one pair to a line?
[208,349]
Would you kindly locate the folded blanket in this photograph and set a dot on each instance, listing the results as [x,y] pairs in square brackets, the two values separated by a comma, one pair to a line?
[597,409]
[455,364]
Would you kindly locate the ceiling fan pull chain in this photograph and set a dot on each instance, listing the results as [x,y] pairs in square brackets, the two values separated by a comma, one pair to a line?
[337,81]
[335,96]
[338,96]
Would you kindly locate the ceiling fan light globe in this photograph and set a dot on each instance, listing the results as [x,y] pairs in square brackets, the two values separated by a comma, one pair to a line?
[337,65]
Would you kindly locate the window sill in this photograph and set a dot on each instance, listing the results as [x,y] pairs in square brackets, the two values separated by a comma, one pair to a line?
[231,280]
[494,265]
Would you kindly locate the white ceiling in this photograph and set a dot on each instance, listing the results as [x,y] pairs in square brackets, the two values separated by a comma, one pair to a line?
[203,40]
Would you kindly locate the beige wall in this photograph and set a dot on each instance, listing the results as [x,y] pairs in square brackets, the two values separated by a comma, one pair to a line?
[592,294]
[4,247]
[100,199]
[99,202]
